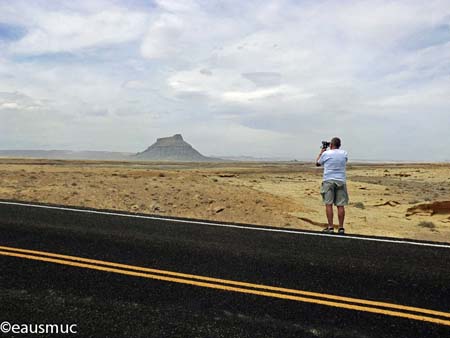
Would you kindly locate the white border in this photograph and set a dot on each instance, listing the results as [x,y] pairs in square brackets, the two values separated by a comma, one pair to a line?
[446,246]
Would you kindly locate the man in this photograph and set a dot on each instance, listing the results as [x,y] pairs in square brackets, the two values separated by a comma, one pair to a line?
[334,189]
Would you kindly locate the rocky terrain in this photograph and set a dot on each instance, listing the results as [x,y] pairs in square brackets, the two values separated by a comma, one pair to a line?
[400,200]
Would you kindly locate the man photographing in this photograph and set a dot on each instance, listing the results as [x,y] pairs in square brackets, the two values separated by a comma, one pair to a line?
[334,188]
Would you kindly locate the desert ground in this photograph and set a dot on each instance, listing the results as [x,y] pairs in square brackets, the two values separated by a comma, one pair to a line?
[395,200]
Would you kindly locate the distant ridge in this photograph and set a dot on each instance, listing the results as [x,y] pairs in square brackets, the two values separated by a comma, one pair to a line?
[67,155]
[172,148]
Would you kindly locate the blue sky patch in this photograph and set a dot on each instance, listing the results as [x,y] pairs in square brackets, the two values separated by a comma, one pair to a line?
[430,37]
[11,32]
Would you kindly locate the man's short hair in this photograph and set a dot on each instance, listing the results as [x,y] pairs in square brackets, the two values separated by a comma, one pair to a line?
[336,142]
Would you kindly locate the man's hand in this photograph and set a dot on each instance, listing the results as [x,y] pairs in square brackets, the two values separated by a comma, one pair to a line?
[320,154]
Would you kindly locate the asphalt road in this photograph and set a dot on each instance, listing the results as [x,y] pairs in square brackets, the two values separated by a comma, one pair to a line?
[132,276]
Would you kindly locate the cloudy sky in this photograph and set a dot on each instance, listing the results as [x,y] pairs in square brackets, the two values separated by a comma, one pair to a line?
[259,78]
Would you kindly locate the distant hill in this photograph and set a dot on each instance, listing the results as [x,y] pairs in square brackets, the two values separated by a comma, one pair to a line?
[67,154]
[172,148]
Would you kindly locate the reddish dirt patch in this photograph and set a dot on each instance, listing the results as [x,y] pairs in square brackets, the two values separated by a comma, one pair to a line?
[442,207]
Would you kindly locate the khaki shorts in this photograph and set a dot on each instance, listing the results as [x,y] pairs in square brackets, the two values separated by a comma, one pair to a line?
[334,192]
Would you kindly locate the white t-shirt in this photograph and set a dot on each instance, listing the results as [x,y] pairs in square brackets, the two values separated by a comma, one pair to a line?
[334,162]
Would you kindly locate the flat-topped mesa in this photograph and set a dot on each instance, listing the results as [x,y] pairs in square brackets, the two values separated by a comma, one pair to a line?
[176,139]
[172,148]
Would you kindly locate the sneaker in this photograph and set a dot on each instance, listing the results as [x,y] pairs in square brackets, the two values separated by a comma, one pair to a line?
[341,231]
[328,230]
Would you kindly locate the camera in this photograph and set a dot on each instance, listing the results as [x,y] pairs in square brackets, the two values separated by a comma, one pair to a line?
[325,144]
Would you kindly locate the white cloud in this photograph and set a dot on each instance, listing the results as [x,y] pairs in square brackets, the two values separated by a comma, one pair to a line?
[9,105]
[281,93]
[178,5]
[248,96]
[53,32]
[264,79]
[134,84]
[163,37]
[18,101]
[189,30]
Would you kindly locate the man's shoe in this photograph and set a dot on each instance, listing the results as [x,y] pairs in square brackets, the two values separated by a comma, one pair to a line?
[328,230]
[341,231]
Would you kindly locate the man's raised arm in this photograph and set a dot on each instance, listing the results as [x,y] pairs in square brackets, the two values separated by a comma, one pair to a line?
[318,157]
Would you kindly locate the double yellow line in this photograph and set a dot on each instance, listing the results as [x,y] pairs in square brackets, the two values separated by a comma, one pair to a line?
[432,316]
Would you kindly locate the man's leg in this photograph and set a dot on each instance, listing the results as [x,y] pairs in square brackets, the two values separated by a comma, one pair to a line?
[329,211]
[341,201]
[341,216]
[327,192]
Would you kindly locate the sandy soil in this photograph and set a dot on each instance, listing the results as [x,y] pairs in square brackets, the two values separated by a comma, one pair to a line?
[397,200]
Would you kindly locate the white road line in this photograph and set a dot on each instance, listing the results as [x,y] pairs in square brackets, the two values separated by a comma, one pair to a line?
[447,246]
